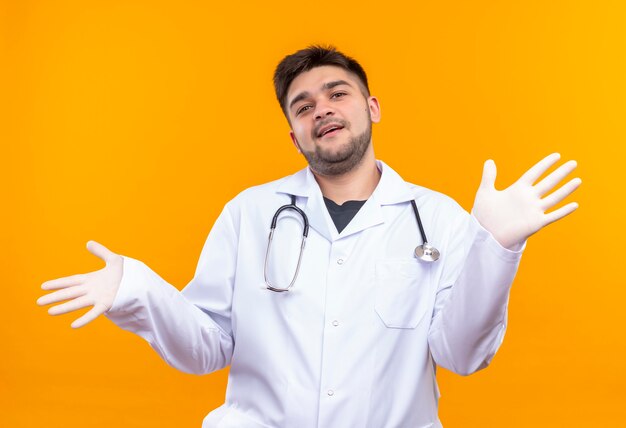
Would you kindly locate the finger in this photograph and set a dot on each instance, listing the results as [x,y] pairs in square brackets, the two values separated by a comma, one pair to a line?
[560,194]
[560,213]
[67,281]
[101,251]
[539,168]
[93,313]
[555,177]
[60,295]
[72,305]
[489,175]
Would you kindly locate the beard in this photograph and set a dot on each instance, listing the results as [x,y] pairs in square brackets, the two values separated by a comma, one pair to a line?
[331,162]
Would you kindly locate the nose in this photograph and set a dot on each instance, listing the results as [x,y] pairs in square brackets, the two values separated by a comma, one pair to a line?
[323,110]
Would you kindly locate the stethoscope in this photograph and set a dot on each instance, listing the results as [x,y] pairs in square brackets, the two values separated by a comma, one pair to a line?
[425,252]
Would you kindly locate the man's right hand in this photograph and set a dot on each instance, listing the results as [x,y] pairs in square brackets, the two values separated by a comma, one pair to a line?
[97,289]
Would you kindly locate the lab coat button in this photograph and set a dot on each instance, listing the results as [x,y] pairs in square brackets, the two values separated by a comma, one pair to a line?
[335,323]
[339,261]
[330,392]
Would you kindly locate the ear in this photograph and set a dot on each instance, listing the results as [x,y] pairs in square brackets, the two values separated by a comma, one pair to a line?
[374,107]
[294,141]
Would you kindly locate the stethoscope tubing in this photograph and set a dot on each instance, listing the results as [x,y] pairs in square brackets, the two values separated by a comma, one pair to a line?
[419,221]
[425,252]
[305,234]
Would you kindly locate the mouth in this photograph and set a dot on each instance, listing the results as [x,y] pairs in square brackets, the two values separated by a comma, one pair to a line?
[329,130]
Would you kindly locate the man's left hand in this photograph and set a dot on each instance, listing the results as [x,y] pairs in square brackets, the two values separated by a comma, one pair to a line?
[512,215]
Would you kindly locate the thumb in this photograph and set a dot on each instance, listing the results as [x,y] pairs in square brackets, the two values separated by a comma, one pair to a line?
[101,251]
[489,175]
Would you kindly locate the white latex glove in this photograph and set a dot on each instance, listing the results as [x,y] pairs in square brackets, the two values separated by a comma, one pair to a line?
[512,215]
[97,289]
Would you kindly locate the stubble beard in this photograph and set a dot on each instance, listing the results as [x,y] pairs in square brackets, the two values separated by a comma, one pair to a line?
[330,162]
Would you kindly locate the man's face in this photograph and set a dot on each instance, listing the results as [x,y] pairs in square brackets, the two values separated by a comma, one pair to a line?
[331,119]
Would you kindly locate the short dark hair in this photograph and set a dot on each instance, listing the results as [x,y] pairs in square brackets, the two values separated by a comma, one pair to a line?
[304,60]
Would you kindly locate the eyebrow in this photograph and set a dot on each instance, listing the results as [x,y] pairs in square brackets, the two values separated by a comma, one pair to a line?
[325,87]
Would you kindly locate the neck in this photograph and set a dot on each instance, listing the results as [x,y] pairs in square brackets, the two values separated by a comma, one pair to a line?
[355,185]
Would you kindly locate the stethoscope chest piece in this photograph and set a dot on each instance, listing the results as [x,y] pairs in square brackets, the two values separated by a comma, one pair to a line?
[426,252]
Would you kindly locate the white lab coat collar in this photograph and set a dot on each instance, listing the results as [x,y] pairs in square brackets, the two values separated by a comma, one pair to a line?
[391,189]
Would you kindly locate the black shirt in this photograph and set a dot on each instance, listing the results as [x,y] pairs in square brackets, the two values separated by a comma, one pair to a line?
[343,214]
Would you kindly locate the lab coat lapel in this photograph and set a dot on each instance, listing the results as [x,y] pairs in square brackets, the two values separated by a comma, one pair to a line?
[303,184]
[391,189]
[369,215]
[319,218]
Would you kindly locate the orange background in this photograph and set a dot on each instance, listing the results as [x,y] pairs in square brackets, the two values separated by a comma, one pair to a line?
[133,122]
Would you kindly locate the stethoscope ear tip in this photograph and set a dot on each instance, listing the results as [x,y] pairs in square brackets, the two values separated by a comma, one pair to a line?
[427,253]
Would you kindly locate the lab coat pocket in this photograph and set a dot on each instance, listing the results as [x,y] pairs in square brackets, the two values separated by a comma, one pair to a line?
[402,292]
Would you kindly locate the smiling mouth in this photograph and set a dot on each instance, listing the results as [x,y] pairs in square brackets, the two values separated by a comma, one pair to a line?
[330,131]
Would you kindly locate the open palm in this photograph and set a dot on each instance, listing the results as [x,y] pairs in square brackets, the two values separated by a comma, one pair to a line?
[97,289]
[515,213]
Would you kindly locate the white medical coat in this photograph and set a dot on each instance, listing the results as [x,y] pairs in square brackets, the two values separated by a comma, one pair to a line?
[357,340]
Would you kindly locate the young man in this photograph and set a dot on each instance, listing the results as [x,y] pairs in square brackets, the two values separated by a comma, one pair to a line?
[347,330]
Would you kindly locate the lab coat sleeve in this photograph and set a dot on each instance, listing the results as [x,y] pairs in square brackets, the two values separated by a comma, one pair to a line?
[191,336]
[471,305]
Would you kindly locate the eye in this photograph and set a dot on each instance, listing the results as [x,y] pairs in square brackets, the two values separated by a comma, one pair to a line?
[338,94]
[303,109]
